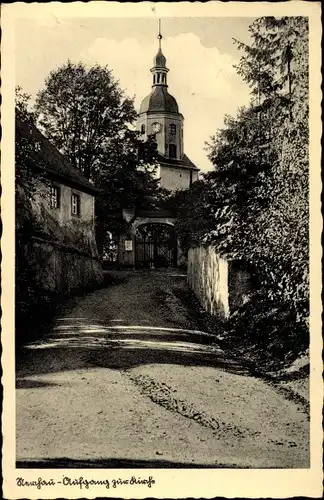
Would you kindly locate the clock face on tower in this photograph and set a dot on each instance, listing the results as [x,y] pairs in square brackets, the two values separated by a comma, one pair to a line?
[156,127]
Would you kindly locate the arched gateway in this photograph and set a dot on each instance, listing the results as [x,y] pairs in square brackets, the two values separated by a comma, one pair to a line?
[150,240]
[155,245]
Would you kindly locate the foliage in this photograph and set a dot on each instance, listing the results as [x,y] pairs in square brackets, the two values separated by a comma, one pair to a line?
[28,297]
[193,220]
[24,148]
[252,331]
[81,111]
[254,204]
[22,103]
[124,176]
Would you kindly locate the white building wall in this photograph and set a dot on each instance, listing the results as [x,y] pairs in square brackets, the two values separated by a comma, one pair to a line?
[174,178]
[63,214]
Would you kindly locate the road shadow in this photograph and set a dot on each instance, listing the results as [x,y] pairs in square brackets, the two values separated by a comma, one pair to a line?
[53,359]
[24,383]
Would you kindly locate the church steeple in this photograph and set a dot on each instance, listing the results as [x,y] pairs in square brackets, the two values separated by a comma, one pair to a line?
[159,116]
[159,69]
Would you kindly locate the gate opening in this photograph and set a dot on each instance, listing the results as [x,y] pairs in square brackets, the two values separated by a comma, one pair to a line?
[155,246]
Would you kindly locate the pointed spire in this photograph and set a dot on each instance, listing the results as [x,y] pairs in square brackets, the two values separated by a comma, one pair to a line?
[159,59]
[159,37]
[159,69]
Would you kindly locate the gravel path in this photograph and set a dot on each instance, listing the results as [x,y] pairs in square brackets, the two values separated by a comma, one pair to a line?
[125,380]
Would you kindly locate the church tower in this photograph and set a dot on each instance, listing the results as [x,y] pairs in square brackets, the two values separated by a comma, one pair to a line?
[159,116]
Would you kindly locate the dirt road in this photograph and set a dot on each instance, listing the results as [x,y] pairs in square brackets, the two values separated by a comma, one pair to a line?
[124,379]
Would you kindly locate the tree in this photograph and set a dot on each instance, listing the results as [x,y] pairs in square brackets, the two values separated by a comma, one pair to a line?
[24,147]
[189,206]
[125,179]
[283,230]
[81,110]
[256,198]
[270,64]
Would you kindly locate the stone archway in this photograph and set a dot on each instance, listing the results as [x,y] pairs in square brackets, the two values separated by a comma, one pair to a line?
[127,242]
[141,220]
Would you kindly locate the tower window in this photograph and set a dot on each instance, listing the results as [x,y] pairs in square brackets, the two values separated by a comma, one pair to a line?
[172,150]
[153,79]
[158,78]
[143,129]
[173,129]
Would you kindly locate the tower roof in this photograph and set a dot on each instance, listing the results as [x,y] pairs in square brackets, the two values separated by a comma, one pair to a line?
[159,100]
[183,162]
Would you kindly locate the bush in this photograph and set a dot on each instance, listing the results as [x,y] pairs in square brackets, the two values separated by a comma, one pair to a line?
[267,332]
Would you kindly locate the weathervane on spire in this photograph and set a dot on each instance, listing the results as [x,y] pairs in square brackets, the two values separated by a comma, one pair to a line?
[159,34]
[159,62]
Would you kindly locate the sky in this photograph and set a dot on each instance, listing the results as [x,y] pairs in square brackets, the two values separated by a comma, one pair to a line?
[200,55]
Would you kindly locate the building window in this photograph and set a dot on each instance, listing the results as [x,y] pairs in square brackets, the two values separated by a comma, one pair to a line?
[172,150]
[55,197]
[75,204]
[173,129]
[143,129]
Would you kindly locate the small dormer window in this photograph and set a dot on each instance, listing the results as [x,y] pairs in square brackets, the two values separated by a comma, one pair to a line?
[55,197]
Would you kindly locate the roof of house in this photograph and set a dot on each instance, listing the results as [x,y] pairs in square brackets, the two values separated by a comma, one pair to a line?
[185,162]
[48,158]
